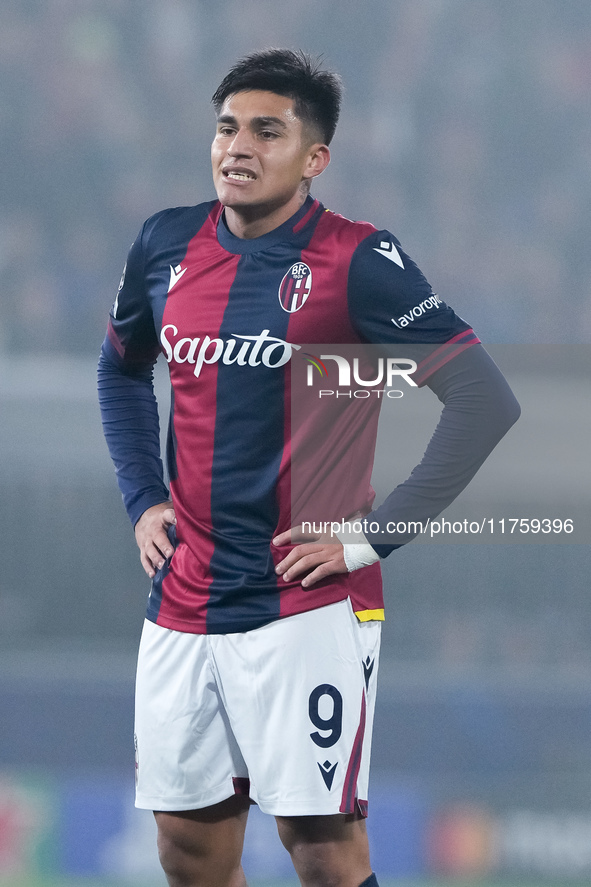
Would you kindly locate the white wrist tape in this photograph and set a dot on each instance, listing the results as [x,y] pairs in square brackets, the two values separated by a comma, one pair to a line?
[359,554]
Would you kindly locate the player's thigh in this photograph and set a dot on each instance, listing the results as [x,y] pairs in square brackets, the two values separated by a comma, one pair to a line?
[204,845]
[327,847]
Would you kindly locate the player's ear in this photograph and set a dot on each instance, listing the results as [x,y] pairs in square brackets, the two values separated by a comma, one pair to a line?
[317,160]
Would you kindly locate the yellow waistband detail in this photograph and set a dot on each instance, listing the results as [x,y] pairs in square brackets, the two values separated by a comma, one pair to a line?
[370,615]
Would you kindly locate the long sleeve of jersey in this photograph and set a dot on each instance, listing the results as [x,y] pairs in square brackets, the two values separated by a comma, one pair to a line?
[392,303]
[126,395]
[479,408]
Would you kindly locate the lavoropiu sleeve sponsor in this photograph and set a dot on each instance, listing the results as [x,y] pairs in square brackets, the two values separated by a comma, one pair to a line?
[390,299]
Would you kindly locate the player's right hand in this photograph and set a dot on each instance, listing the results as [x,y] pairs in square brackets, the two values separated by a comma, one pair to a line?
[152,537]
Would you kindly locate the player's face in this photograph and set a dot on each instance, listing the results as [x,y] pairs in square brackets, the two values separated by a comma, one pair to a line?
[261,155]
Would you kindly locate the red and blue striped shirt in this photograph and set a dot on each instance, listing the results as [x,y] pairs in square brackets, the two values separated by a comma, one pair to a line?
[231,317]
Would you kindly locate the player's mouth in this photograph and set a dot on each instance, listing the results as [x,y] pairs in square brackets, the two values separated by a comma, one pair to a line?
[239,175]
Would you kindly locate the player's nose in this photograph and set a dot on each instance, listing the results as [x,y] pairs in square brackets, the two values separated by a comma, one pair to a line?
[242,144]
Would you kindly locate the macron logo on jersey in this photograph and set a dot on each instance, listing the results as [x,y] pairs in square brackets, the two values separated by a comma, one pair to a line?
[175,275]
[388,250]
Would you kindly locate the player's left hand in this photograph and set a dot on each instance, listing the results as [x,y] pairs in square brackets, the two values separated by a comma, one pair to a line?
[318,556]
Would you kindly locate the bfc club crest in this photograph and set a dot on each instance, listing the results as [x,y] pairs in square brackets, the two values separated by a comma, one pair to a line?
[295,287]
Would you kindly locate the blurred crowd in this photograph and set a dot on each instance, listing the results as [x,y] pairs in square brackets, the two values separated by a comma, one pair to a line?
[466,131]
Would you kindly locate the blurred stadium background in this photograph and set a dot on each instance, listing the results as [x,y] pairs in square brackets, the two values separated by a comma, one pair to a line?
[466,131]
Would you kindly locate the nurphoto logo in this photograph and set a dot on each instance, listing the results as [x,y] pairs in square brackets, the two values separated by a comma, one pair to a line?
[349,372]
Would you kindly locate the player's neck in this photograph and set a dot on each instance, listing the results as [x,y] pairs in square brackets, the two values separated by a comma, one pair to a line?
[250,222]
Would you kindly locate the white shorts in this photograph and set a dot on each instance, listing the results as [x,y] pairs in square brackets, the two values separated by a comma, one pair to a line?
[282,713]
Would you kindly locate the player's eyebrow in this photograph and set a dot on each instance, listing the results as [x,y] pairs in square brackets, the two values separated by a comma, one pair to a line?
[269,121]
[256,121]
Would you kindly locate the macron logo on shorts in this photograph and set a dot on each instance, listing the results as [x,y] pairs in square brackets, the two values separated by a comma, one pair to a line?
[328,770]
[367,670]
